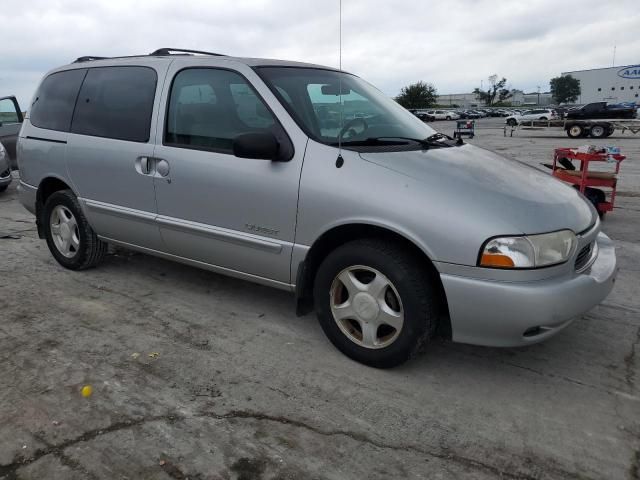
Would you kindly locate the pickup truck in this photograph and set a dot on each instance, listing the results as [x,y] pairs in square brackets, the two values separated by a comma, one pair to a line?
[602,110]
[10,123]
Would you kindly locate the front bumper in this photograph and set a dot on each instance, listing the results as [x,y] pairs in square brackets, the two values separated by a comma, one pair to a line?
[5,178]
[508,314]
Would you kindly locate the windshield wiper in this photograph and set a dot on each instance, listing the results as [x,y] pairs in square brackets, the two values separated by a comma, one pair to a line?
[435,140]
[375,141]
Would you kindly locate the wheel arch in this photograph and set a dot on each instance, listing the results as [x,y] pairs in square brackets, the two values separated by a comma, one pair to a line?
[48,186]
[341,234]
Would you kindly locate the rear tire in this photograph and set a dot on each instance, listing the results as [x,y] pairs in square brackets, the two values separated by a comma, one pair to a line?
[512,122]
[375,303]
[598,131]
[70,238]
[575,131]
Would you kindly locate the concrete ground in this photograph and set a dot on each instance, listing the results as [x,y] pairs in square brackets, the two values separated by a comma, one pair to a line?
[199,376]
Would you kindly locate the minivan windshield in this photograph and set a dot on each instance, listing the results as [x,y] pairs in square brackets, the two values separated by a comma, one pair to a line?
[313,97]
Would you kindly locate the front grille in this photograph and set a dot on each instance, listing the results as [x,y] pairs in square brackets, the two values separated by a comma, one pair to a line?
[583,256]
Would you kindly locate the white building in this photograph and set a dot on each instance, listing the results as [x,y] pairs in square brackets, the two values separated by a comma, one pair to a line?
[613,84]
[463,100]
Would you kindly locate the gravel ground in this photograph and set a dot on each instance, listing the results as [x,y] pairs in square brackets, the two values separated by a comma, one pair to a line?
[199,376]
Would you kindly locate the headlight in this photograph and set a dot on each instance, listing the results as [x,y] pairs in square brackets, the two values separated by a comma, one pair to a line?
[530,251]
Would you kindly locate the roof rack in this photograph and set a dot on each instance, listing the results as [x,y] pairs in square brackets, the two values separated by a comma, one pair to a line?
[167,51]
[89,58]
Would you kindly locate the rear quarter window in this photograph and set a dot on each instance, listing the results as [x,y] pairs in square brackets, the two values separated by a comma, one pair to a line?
[116,102]
[53,105]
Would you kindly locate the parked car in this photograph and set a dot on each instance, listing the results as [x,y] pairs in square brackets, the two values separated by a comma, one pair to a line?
[471,114]
[535,114]
[443,114]
[224,166]
[10,123]
[601,110]
[5,169]
[423,115]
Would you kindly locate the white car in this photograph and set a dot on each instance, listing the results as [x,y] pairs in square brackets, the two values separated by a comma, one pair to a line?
[443,114]
[536,114]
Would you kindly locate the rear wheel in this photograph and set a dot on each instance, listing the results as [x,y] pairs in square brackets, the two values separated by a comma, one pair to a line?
[575,131]
[375,303]
[598,131]
[512,122]
[70,238]
[610,130]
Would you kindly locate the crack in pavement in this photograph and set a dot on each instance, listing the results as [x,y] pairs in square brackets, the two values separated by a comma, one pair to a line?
[536,371]
[630,361]
[442,454]
[9,471]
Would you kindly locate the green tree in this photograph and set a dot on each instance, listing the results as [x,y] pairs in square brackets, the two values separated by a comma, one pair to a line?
[495,91]
[565,89]
[418,95]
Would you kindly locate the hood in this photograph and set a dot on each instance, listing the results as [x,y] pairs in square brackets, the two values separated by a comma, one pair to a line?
[471,181]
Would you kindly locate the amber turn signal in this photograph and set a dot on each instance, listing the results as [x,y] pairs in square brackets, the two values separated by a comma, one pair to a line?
[496,260]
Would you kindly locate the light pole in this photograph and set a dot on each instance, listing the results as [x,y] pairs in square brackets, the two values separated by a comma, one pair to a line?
[538,95]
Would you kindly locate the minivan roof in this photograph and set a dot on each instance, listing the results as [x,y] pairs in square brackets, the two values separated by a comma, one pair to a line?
[164,54]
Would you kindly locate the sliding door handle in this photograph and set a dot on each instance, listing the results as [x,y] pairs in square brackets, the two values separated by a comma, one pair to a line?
[143,165]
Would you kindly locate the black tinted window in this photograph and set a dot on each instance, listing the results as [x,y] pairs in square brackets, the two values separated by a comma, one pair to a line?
[208,108]
[53,105]
[116,102]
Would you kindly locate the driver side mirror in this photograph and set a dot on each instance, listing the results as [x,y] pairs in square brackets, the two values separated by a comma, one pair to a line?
[257,145]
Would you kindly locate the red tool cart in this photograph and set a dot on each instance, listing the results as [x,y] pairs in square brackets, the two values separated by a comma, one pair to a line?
[583,178]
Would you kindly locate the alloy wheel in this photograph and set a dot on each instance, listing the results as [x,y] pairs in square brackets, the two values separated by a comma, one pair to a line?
[64,231]
[366,307]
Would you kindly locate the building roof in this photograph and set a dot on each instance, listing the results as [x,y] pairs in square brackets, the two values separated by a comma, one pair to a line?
[619,67]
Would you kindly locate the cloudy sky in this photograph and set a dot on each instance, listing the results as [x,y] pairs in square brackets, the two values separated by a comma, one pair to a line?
[452,43]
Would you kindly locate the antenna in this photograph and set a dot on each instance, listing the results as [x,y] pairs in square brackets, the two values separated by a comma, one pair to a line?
[340,82]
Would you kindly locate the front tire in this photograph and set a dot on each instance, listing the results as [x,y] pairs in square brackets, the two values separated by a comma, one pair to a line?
[575,131]
[375,303]
[70,238]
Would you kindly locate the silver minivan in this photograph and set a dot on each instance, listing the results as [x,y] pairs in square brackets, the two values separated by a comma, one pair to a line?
[308,179]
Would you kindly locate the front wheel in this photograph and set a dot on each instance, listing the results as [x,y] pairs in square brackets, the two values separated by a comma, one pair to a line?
[575,131]
[70,238]
[375,303]
[512,122]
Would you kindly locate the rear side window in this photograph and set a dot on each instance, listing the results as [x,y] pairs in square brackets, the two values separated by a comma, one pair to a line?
[116,102]
[209,108]
[53,106]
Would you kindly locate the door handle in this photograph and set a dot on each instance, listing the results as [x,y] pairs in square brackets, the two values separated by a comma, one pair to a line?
[143,165]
